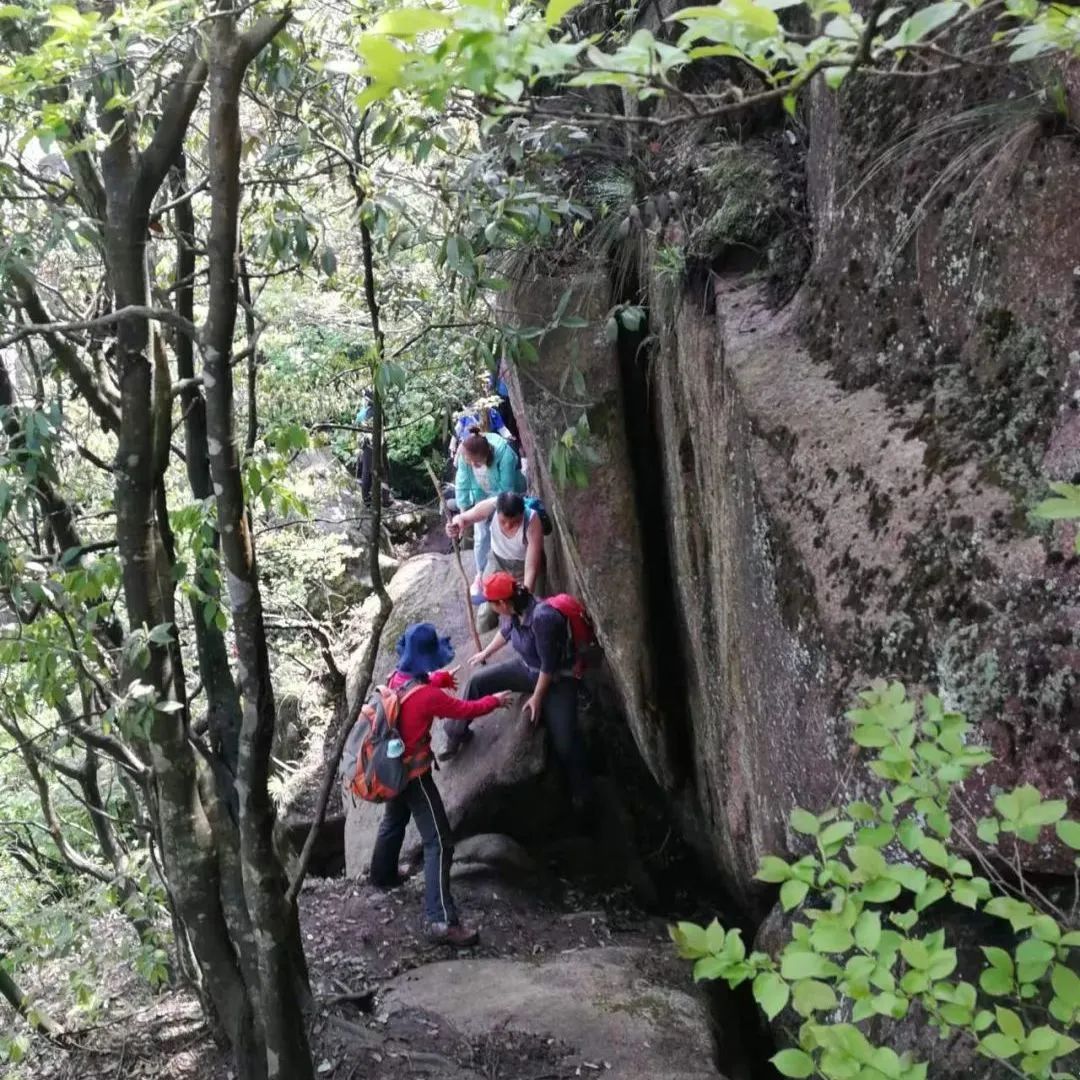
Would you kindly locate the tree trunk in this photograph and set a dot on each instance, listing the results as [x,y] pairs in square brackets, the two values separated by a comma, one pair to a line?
[274,923]
[131,180]
[39,1021]
[222,696]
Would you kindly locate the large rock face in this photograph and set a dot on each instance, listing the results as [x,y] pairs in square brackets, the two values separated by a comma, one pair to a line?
[791,503]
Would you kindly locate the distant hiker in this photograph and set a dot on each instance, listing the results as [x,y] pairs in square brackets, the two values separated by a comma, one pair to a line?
[486,417]
[497,385]
[546,666]
[421,690]
[364,461]
[517,541]
[487,466]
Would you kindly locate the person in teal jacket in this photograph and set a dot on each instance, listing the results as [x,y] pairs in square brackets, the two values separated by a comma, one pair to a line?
[487,466]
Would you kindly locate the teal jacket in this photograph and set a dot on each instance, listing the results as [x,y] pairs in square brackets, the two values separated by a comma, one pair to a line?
[504,472]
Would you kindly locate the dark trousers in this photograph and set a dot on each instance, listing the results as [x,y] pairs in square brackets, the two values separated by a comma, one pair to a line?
[559,716]
[364,469]
[421,801]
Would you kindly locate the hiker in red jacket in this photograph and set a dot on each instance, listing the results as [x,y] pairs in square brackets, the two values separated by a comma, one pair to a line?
[421,652]
[544,668]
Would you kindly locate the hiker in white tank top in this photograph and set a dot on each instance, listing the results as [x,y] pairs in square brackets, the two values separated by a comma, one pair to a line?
[510,547]
[520,552]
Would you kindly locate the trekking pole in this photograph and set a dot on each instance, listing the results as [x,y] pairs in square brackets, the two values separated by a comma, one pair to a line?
[461,565]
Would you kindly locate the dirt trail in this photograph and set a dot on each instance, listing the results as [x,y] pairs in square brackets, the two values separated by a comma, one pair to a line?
[358,941]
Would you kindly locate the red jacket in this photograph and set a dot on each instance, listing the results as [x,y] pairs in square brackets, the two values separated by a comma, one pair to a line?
[430,703]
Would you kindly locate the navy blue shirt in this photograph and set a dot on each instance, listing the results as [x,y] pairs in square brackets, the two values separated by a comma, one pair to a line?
[539,636]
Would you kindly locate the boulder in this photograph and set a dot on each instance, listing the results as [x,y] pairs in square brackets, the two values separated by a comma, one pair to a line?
[492,853]
[499,780]
[626,1008]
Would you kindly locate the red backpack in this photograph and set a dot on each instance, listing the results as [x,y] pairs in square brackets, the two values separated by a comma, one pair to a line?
[367,770]
[582,645]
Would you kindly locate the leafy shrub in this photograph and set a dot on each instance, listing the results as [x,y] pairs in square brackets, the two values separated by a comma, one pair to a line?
[876,867]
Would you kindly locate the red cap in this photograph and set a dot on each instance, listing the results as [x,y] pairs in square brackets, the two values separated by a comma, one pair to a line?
[499,586]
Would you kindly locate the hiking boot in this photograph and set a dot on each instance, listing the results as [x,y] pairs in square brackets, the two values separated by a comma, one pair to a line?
[454,934]
[455,740]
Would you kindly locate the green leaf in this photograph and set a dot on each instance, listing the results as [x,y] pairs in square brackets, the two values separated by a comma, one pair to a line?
[934,852]
[862,811]
[998,958]
[829,936]
[1045,813]
[792,894]
[996,982]
[1034,951]
[868,861]
[691,940]
[771,993]
[773,870]
[1046,929]
[942,964]
[407,22]
[711,967]
[804,822]
[999,1046]
[794,1063]
[1066,984]
[868,931]
[813,996]
[1064,508]
[714,937]
[1069,833]
[806,965]
[557,10]
[872,736]
[987,830]
[923,22]
[933,892]
[880,892]
[1010,1024]
[836,832]
[1041,1039]
[916,954]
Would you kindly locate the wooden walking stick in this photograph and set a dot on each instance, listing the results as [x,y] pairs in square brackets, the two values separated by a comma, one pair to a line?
[461,565]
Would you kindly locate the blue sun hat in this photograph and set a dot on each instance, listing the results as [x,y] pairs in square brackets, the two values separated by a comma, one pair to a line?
[421,651]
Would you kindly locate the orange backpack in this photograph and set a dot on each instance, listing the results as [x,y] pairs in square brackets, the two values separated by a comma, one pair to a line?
[368,769]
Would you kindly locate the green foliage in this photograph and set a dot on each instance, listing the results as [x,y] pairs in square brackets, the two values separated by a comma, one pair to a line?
[861,949]
[572,456]
[501,53]
[1064,506]
[670,265]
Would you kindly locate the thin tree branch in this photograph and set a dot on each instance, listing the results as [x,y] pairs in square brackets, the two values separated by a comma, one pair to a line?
[261,33]
[175,116]
[133,311]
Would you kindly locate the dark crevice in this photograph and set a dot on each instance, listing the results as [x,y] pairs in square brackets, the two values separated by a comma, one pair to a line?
[743,1043]
[662,630]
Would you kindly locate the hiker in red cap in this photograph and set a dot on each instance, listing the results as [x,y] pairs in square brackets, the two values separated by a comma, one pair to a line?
[544,668]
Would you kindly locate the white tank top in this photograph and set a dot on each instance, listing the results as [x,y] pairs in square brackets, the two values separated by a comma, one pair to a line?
[510,547]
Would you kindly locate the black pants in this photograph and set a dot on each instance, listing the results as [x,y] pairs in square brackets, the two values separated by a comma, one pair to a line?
[506,410]
[364,467]
[421,801]
[558,715]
